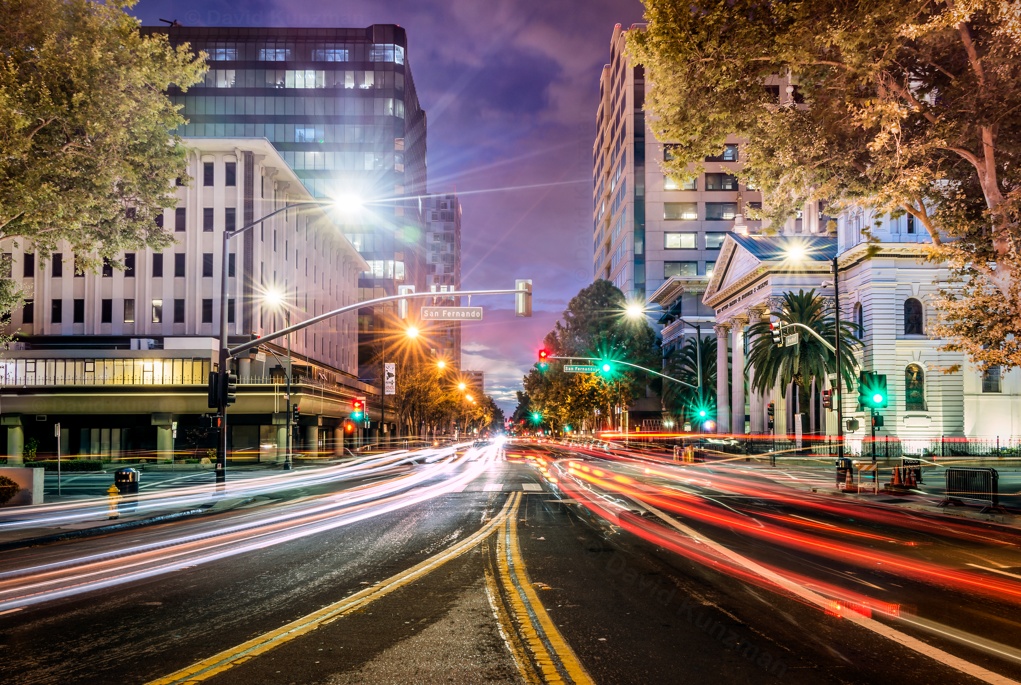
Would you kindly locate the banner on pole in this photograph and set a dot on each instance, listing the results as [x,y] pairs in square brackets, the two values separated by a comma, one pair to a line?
[390,379]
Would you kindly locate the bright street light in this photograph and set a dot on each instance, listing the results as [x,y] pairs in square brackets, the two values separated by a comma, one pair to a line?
[634,310]
[441,365]
[461,387]
[411,332]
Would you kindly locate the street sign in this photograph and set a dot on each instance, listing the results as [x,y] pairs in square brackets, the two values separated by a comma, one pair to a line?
[790,340]
[580,368]
[390,379]
[452,313]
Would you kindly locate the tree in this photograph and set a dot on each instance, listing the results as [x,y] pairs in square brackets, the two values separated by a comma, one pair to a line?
[910,107]
[683,364]
[87,153]
[594,325]
[807,362]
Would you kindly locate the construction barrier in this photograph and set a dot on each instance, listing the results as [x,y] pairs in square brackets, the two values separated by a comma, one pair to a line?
[913,470]
[979,484]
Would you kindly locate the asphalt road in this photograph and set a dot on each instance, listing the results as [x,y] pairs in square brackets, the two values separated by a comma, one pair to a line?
[509,577]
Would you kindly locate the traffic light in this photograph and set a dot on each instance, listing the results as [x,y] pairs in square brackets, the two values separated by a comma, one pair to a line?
[827,399]
[776,331]
[877,421]
[230,388]
[295,413]
[536,417]
[357,407]
[214,390]
[523,297]
[543,357]
[872,390]
[605,368]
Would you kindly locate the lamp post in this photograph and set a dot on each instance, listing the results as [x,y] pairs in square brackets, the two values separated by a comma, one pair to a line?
[278,298]
[223,359]
[836,346]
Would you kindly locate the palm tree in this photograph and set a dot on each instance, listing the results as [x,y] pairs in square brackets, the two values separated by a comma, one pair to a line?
[807,361]
[683,364]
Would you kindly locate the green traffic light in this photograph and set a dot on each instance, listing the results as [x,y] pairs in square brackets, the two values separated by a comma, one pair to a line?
[606,367]
[877,398]
[536,416]
[543,366]
[702,413]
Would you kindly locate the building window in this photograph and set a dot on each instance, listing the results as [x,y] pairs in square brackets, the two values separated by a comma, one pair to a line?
[207,265]
[28,266]
[680,211]
[720,182]
[78,311]
[222,54]
[129,311]
[230,310]
[106,311]
[56,311]
[57,265]
[129,265]
[729,154]
[178,310]
[991,379]
[230,174]
[914,388]
[709,268]
[714,241]
[179,262]
[207,174]
[274,54]
[230,216]
[28,312]
[859,318]
[207,219]
[679,241]
[681,269]
[157,311]
[673,184]
[107,268]
[720,211]
[157,265]
[231,264]
[913,317]
[911,224]
[180,219]
[207,311]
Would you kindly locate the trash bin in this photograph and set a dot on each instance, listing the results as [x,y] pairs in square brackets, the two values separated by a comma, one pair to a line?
[126,481]
[843,466]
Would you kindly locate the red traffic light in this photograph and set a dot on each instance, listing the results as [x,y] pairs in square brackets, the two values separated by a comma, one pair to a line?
[543,355]
[357,405]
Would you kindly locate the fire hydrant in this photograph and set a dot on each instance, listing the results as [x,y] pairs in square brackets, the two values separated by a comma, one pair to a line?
[114,496]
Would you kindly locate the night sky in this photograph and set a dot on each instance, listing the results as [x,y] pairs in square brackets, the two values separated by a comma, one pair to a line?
[510,88]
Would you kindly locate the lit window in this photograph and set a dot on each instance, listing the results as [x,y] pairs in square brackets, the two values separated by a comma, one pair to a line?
[714,241]
[680,269]
[914,388]
[274,54]
[720,211]
[679,241]
[157,311]
[222,54]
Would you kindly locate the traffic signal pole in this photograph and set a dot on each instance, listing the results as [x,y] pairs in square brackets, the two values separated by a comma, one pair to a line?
[839,385]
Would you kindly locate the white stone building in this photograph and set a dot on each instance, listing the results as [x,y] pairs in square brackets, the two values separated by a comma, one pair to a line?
[120,358]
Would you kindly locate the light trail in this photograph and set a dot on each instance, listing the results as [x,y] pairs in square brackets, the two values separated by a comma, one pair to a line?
[34,584]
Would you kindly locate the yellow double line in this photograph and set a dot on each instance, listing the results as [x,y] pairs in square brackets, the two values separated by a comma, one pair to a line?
[539,650]
[218,663]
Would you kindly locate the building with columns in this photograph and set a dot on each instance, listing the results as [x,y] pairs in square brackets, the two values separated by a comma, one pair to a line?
[887,288]
[120,358]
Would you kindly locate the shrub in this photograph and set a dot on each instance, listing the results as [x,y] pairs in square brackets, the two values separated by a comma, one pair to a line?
[8,489]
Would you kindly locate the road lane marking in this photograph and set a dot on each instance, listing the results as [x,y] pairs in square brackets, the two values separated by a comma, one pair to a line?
[834,606]
[505,624]
[218,663]
[555,660]
[531,487]
[492,487]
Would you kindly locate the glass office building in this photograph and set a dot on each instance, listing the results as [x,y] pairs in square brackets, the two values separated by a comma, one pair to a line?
[339,104]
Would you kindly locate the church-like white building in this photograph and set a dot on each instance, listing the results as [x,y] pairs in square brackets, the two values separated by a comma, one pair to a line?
[888,290]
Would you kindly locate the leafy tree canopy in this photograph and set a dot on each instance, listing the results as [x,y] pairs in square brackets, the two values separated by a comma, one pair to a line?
[910,106]
[86,150]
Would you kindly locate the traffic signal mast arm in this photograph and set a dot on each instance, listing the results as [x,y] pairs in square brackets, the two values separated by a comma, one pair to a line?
[829,346]
[235,351]
[633,366]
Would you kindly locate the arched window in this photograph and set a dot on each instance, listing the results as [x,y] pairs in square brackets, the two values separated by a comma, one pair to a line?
[859,318]
[913,317]
[914,388]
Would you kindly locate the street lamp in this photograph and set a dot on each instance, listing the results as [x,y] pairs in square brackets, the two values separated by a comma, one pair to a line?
[277,298]
[223,359]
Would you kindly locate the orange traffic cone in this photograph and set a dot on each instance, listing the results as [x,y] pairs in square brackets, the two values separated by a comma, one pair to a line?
[849,481]
[909,478]
[896,477]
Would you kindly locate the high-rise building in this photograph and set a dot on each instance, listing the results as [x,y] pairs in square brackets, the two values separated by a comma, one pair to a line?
[650,230]
[340,106]
[443,269]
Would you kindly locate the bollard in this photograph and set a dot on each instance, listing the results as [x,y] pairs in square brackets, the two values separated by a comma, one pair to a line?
[114,496]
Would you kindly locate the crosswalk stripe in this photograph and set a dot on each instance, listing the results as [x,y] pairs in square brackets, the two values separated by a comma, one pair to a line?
[493,487]
[531,487]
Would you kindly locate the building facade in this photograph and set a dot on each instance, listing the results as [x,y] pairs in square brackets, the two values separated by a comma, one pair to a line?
[121,358]
[443,271]
[340,107]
